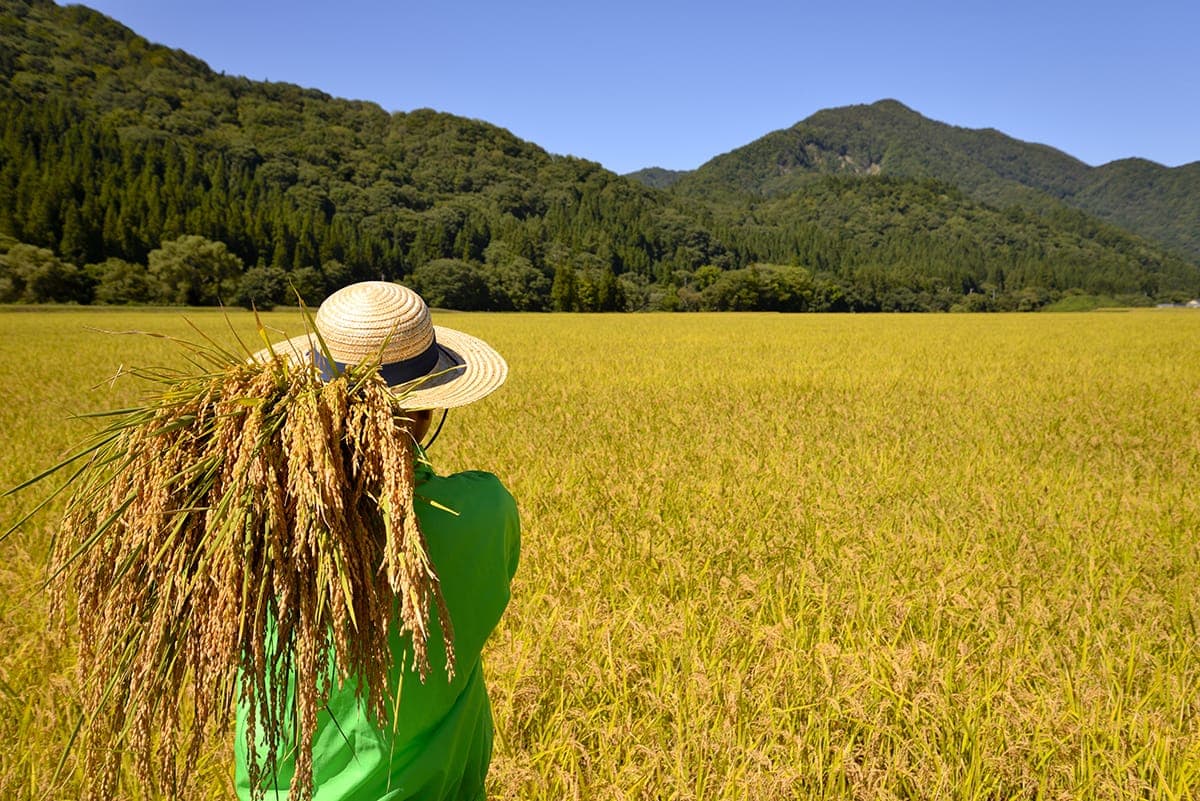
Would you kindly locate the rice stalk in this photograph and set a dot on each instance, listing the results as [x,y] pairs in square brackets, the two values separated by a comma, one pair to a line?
[225,540]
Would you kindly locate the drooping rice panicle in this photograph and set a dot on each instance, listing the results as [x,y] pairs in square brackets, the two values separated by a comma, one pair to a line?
[225,540]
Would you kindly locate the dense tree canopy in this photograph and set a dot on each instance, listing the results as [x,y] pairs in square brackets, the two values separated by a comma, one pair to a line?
[132,173]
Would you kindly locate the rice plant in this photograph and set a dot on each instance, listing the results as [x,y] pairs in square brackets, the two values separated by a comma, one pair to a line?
[826,557]
[220,541]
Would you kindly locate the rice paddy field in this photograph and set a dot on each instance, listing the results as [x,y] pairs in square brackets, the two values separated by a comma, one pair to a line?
[787,557]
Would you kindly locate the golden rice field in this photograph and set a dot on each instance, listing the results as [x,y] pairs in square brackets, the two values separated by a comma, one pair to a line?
[781,557]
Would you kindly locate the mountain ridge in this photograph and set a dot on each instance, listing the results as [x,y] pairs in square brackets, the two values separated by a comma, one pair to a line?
[888,137]
[113,148]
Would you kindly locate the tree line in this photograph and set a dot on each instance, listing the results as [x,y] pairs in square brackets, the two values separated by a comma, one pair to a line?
[587,240]
[128,170]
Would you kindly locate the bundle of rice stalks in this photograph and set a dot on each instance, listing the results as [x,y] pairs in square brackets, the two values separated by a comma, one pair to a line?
[224,540]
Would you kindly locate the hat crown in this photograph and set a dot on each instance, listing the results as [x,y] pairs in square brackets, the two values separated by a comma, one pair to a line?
[375,319]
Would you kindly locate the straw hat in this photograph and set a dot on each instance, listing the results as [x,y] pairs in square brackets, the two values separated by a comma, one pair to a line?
[434,367]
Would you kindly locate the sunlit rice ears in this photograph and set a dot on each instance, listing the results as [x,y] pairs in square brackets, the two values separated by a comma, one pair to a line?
[233,525]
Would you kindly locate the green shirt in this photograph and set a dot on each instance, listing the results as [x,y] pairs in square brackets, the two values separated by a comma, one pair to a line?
[443,739]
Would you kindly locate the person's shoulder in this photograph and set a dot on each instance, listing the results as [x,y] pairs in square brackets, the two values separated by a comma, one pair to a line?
[478,488]
[474,481]
[476,504]
[472,477]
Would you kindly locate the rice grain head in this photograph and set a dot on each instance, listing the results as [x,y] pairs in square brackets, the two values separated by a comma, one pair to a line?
[225,541]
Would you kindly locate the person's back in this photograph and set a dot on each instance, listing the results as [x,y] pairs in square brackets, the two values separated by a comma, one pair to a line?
[437,743]
[442,740]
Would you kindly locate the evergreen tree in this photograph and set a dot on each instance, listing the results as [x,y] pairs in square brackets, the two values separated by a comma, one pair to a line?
[564,292]
[609,294]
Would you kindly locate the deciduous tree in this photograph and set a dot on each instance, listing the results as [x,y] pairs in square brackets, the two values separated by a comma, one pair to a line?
[194,271]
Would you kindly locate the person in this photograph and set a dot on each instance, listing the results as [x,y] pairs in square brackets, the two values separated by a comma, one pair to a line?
[439,744]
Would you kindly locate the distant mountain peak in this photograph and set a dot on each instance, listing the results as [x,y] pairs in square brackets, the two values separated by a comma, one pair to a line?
[887,137]
[891,104]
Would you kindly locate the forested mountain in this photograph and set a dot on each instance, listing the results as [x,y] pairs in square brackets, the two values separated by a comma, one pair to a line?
[112,145]
[1160,203]
[887,138]
[130,172]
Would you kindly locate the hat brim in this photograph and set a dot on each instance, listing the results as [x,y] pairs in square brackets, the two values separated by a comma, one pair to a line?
[467,370]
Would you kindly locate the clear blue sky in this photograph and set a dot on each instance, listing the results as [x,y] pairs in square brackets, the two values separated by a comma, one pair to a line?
[672,84]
